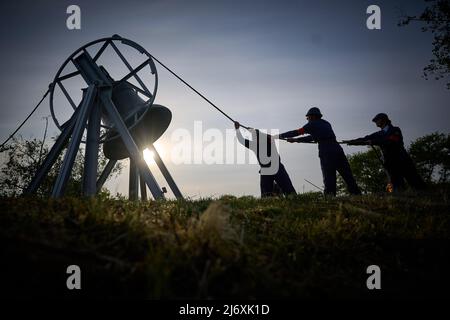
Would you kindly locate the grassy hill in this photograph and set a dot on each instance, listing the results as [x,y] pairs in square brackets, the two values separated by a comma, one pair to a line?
[301,247]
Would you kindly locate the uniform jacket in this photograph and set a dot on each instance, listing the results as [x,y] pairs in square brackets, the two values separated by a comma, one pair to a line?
[391,143]
[319,131]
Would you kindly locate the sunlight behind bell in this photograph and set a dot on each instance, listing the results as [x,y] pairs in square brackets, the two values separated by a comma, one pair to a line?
[149,157]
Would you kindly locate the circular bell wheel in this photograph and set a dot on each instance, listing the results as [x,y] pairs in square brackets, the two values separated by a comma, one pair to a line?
[96,49]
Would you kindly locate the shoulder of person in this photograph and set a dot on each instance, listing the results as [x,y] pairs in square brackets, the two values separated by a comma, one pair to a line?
[394,129]
[309,124]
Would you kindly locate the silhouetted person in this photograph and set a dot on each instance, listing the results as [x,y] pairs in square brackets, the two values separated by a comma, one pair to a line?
[272,171]
[397,162]
[332,157]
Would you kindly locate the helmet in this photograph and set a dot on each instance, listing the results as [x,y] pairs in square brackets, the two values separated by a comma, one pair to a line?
[314,112]
[381,116]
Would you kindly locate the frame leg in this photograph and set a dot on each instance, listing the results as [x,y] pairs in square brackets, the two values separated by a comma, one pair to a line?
[91,157]
[173,186]
[52,155]
[105,174]
[74,144]
[131,146]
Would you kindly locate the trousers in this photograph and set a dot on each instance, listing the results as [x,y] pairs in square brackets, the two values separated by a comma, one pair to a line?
[331,163]
[281,178]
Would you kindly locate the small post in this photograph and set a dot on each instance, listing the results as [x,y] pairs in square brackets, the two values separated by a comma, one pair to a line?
[143,188]
[134,181]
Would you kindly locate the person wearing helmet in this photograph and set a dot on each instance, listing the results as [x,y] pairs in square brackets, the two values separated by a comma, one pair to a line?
[332,157]
[397,161]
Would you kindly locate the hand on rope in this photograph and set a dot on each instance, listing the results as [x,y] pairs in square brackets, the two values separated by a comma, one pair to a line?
[357,142]
[237,125]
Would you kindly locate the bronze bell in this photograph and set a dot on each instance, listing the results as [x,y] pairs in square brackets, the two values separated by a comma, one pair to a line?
[131,107]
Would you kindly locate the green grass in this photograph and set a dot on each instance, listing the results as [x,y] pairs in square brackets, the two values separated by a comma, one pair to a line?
[301,247]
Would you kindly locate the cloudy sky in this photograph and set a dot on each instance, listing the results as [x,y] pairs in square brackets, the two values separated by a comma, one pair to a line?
[264,62]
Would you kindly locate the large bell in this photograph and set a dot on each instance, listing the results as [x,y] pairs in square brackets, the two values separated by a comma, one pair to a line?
[131,107]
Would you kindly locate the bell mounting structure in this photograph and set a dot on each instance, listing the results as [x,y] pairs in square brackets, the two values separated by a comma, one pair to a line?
[115,113]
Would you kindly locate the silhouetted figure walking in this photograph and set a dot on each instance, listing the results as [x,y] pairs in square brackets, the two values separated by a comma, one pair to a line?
[332,157]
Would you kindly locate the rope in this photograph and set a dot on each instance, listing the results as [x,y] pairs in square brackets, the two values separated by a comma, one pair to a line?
[197,92]
[321,189]
[24,121]
[43,139]
[163,65]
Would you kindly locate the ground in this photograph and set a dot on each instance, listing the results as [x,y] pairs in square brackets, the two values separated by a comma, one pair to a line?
[301,247]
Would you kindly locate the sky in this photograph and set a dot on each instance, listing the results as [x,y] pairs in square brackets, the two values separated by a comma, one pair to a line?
[264,62]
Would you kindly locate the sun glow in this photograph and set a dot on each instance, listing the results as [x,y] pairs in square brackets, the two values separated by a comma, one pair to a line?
[149,157]
[149,154]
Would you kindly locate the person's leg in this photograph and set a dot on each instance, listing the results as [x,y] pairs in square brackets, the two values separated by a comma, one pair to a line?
[397,181]
[414,179]
[284,181]
[346,173]
[412,176]
[329,175]
[276,189]
[266,185]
